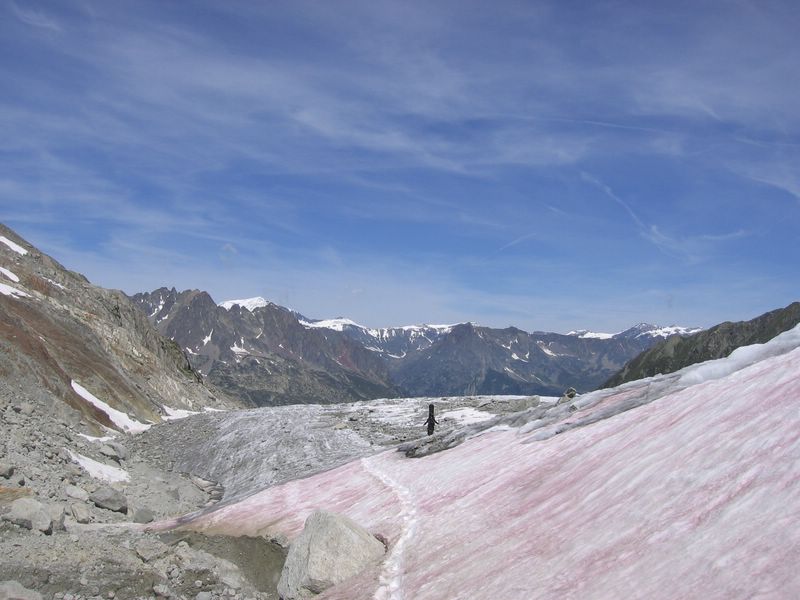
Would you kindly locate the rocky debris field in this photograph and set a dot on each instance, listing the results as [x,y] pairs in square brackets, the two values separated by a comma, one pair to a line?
[75,509]
[248,450]
[67,533]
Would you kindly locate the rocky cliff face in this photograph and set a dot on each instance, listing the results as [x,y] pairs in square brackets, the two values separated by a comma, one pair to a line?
[263,354]
[58,330]
[676,353]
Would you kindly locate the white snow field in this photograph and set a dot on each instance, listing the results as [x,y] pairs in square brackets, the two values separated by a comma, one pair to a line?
[99,470]
[13,245]
[119,418]
[7,290]
[695,494]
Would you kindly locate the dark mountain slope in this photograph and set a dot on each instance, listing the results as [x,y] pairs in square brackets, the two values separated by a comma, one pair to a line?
[676,353]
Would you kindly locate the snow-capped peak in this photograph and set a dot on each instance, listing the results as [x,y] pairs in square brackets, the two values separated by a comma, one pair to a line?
[337,324]
[640,330]
[586,334]
[248,303]
[671,330]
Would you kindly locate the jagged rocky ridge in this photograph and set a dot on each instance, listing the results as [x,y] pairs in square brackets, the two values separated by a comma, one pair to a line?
[675,353]
[263,354]
[271,355]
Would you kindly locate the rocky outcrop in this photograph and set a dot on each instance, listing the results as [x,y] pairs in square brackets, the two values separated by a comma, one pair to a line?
[110,499]
[676,353]
[57,328]
[30,514]
[331,549]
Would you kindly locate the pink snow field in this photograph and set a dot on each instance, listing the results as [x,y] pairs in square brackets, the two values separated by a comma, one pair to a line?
[694,495]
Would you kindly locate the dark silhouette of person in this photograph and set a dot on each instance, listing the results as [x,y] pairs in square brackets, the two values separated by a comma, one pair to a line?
[431,422]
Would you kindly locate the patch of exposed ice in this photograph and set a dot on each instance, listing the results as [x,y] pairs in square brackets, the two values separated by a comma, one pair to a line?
[9,274]
[99,470]
[55,283]
[14,246]
[13,292]
[176,413]
[467,415]
[93,438]
[119,418]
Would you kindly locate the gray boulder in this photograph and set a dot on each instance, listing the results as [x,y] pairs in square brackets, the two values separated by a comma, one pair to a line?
[109,498]
[107,450]
[81,513]
[330,549]
[76,493]
[30,514]
[150,549]
[6,470]
[57,515]
[143,515]
[13,590]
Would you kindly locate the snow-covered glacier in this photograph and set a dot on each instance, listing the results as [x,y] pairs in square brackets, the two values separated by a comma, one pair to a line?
[677,486]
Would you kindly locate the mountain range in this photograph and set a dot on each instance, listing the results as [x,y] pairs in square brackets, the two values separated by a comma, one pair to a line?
[267,354]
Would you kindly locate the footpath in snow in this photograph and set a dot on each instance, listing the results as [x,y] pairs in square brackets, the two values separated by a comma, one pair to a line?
[692,492]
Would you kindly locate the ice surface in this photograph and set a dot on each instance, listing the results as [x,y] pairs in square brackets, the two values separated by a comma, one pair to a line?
[93,438]
[99,470]
[7,290]
[467,415]
[692,491]
[9,274]
[14,246]
[119,418]
[176,413]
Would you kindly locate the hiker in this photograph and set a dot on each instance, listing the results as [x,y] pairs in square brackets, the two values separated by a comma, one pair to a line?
[431,422]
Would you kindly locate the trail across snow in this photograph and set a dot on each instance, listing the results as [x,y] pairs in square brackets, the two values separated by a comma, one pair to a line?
[391,579]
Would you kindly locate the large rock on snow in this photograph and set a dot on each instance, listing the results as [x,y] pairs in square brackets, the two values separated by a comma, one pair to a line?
[30,514]
[109,498]
[330,549]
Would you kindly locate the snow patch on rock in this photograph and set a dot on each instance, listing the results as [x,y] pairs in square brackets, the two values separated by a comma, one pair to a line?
[99,470]
[119,418]
[14,246]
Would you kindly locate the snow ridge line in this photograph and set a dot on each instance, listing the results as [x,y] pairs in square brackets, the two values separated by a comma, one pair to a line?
[391,578]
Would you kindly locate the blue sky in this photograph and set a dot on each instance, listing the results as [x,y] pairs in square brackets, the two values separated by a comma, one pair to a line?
[548,165]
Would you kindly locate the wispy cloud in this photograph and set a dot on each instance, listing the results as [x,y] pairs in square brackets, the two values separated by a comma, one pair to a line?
[34,17]
[610,193]
[300,132]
